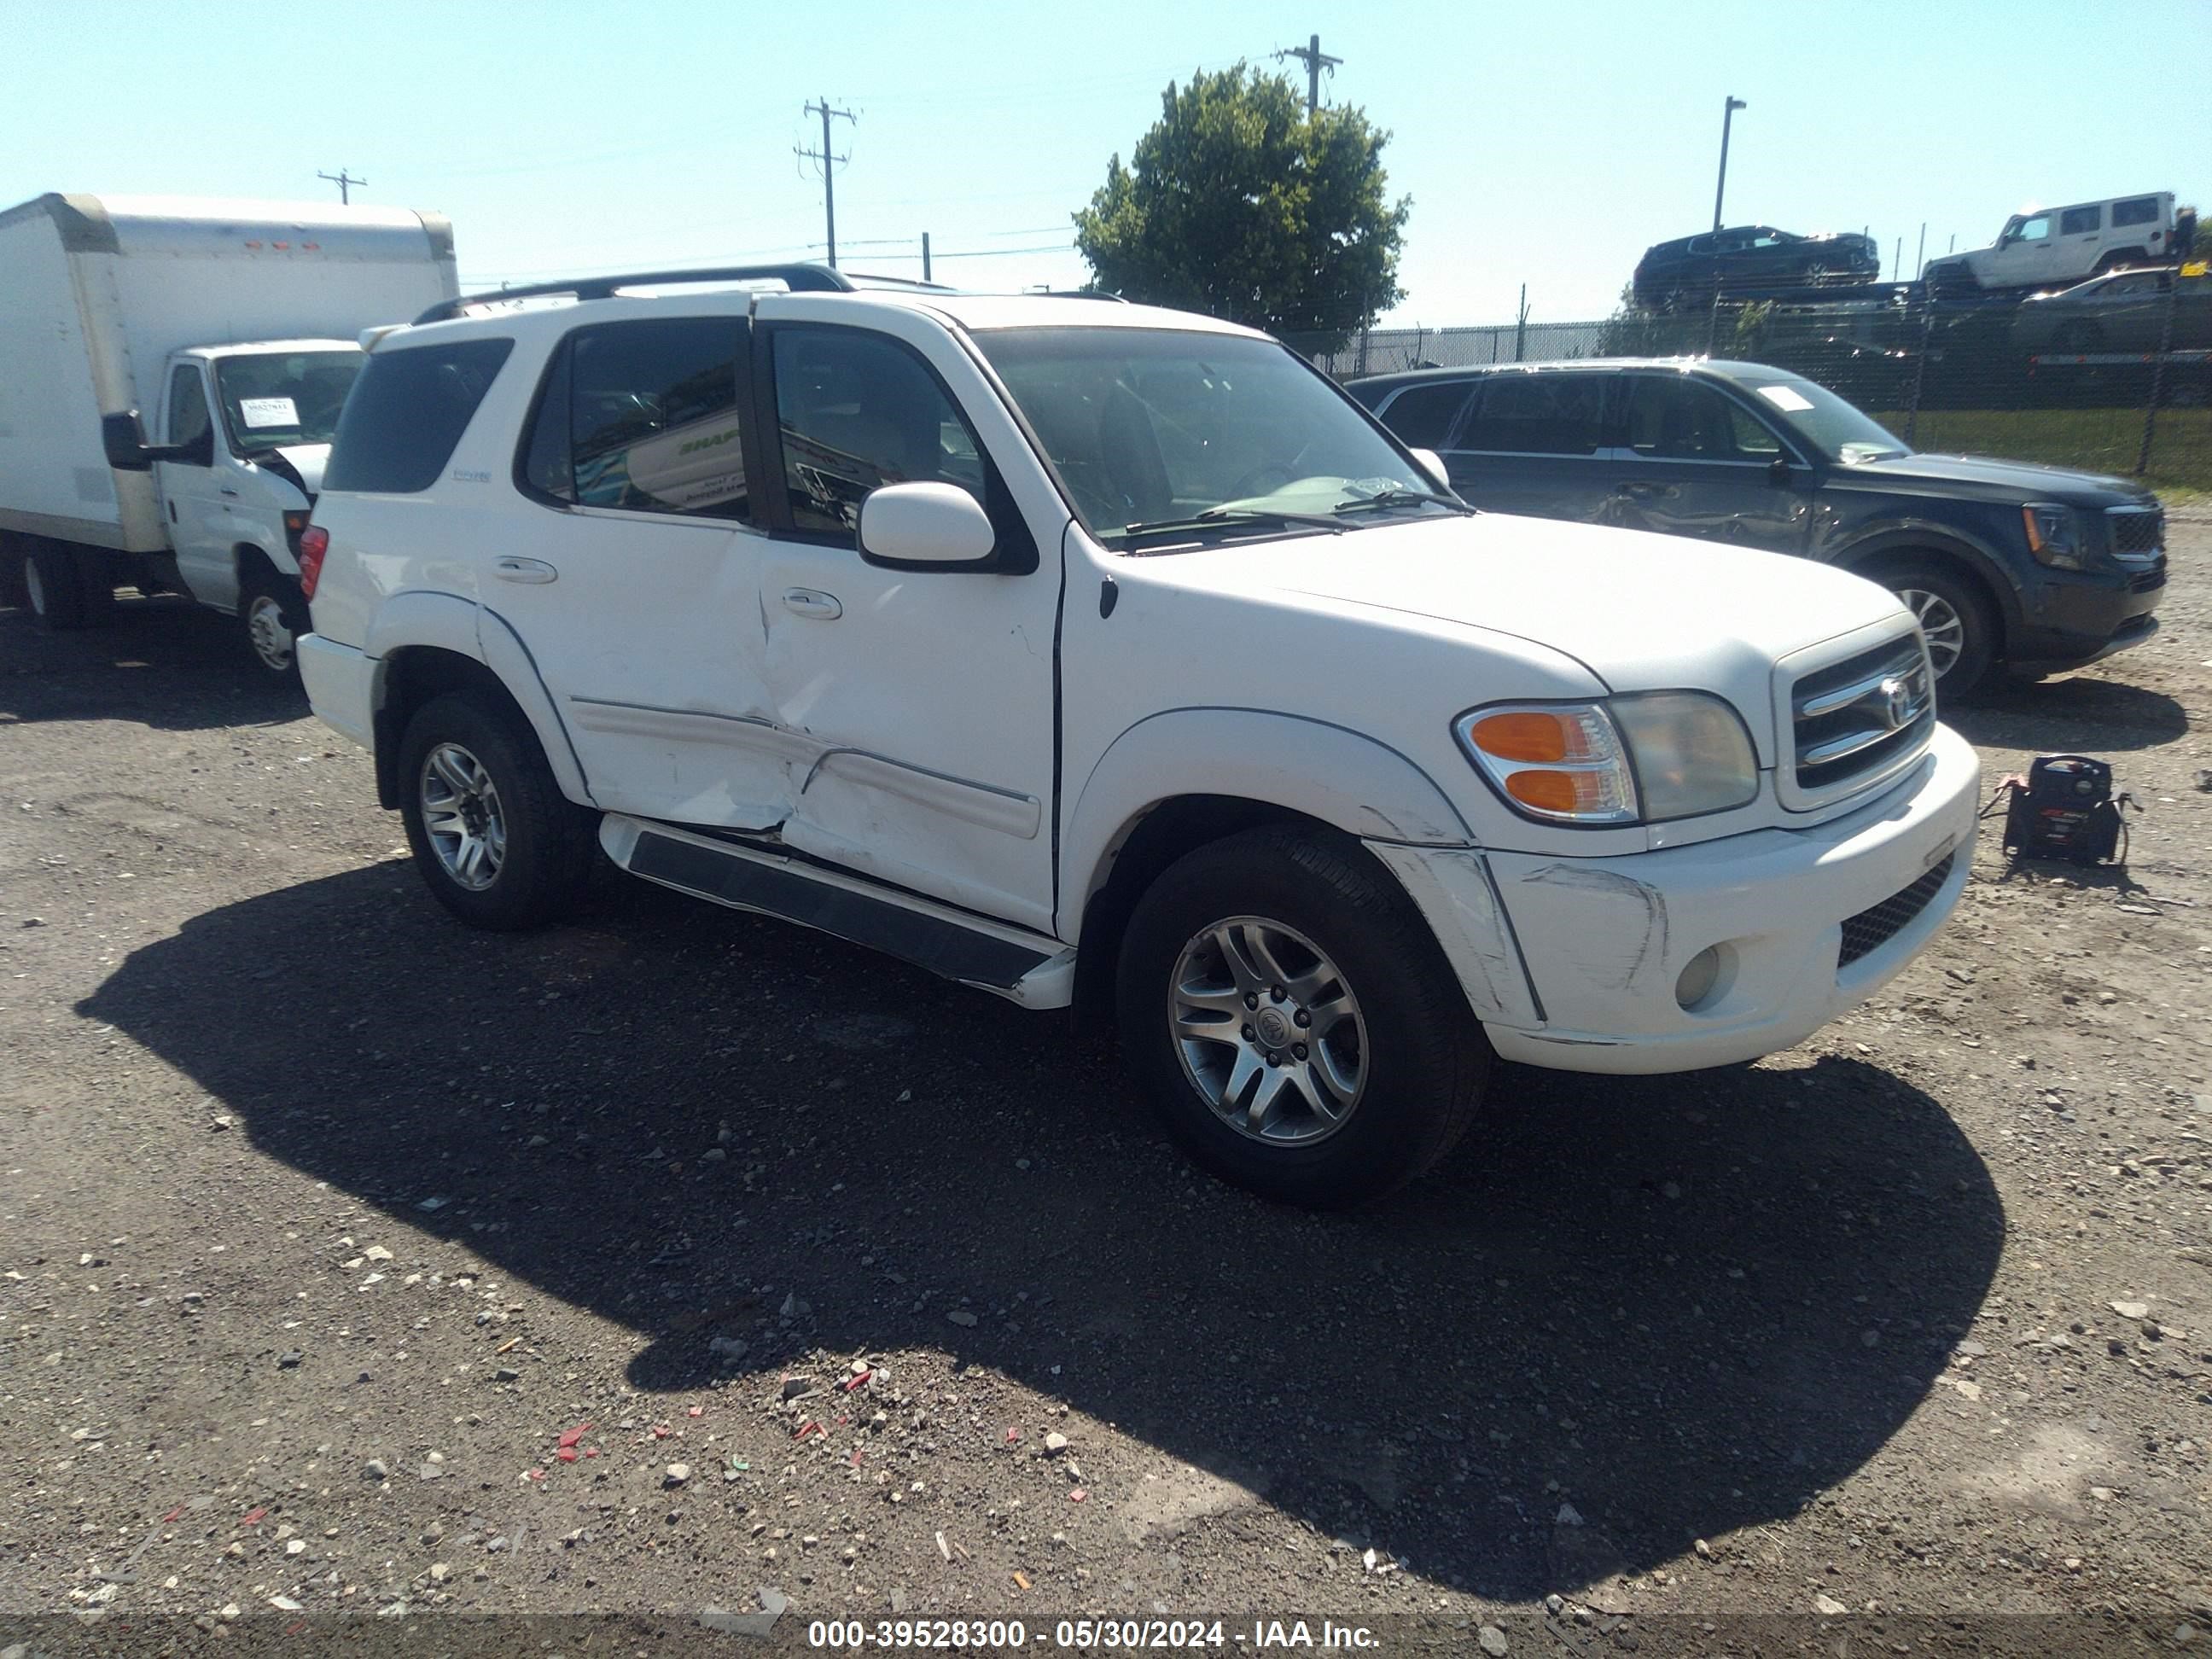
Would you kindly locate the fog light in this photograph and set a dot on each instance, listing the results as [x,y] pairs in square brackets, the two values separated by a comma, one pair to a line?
[1698,977]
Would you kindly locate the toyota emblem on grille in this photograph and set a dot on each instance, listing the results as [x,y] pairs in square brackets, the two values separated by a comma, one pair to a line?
[1897,703]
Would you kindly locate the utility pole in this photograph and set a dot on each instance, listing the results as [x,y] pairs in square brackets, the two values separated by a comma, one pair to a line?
[828,164]
[1920,255]
[925,255]
[344,181]
[1728,115]
[1311,56]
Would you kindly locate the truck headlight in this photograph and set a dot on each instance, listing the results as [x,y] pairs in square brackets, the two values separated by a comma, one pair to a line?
[1638,759]
[2054,535]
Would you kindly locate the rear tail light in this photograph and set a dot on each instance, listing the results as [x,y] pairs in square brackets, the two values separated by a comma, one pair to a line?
[314,542]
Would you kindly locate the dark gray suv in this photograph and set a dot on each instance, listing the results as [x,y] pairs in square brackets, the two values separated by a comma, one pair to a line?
[2034,568]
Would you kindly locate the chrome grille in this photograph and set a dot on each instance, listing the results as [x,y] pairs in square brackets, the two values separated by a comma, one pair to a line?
[1874,927]
[2137,532]
[1857,720]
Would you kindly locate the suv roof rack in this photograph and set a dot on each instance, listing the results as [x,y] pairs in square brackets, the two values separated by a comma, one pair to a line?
[798,279]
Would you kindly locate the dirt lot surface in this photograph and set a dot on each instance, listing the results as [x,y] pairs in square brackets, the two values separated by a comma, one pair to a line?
[354,1261]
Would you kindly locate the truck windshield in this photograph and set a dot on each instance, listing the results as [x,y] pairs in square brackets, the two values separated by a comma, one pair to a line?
[271,400]
[1829,426]
[1159,429]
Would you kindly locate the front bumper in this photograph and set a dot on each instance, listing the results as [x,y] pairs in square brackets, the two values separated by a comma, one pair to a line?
[1603,941]
[2071,619]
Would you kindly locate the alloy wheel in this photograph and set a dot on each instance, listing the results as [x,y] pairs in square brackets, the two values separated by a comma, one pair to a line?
[1268,1031]
[461,816]
[1940,621]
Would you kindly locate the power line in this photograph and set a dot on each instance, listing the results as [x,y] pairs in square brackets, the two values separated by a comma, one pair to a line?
[1311,56]
[344,181]
[829,163]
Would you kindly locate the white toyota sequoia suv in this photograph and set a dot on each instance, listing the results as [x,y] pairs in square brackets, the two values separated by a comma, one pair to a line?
[1091,654]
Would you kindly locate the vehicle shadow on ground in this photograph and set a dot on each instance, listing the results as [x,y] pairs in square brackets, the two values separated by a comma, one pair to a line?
[1660,1308]
[164,663]
[2081,713]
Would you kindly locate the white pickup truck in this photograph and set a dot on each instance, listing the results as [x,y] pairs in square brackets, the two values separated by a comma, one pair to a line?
[1091,654]
[234,327]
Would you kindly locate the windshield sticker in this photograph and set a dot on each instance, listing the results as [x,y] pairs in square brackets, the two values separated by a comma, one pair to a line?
[1785,398]
[257,412]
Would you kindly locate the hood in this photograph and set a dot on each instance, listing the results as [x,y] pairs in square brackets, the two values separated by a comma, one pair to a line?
[2018,481]
[1642,612]
[300,465]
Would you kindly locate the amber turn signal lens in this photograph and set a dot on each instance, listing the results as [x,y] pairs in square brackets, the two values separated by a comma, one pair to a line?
[1526,735]
[1550,791]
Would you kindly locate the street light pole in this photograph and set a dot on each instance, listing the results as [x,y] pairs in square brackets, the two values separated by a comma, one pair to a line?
[1728,115]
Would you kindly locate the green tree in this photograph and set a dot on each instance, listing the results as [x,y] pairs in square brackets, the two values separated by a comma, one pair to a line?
[1238,204]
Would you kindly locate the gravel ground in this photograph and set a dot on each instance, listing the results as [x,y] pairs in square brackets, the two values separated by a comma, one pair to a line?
[356,1261]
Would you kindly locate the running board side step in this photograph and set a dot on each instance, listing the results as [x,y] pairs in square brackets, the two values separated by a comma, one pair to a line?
[1023,967]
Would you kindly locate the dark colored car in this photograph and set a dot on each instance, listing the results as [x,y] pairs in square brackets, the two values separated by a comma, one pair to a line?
[2123,311]
[1745,258]
[2035,567]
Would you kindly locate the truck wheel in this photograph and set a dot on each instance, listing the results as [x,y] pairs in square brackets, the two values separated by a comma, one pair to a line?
[271,621]
[55,588]
[499,844]
[1293,1021]
[1954,614]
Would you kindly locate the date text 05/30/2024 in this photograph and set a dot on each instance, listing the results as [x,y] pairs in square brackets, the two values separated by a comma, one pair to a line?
[1091,1634]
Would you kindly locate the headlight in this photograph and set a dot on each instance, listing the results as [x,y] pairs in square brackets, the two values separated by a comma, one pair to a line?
[2054,535]
[1640,759]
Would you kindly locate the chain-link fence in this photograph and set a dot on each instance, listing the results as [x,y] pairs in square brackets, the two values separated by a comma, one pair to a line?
[2118,384]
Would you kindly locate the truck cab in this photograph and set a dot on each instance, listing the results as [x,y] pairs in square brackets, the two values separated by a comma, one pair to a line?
[243,431]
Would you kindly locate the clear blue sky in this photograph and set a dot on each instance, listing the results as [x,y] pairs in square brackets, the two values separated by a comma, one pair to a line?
[1546,144]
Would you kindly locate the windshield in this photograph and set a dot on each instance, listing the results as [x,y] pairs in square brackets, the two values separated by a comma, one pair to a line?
[270,399]
[1154,427]
[1823,421]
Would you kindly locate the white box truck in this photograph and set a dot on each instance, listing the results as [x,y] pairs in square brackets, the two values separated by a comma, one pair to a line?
[228,331]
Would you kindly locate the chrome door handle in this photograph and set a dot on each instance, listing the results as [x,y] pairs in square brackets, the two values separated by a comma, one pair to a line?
[812,602]
[228,490]
[512,570]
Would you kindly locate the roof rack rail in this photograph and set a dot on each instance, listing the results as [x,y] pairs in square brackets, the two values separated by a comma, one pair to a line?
[798,279]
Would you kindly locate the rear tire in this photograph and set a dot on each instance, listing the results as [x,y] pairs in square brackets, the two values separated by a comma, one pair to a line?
[493,836]
[1387,1037]
[1956,614]
[54,588]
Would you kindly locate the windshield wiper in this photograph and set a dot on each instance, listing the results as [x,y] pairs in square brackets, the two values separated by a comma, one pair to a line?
[1398,497]
[1216,516]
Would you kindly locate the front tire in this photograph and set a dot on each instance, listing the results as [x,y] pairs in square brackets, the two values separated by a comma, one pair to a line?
[1956,616]
[493,836]
[1293,1021]
[270,621]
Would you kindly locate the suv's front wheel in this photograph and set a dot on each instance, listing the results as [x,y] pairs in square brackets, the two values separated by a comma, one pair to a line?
[492,835]
[1955,617]
[1294,1021]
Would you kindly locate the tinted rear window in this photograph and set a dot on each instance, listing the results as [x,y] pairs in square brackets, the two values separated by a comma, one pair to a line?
[1537,415]
[1424,415]
[2143,210]
[407,411]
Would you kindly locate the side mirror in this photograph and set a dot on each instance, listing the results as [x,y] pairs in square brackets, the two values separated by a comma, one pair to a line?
[925,526]
[125,440]
[123,437]
[1433,464]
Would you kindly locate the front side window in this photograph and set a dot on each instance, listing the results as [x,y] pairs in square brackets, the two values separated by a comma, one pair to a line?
[1673,419]
[857,410]
[407,412]
[1148,429]
[188,410]
[274,399]
[2036,230]
[1538,415]
[2142,210]
[2081,220]
[1423,415]
[643,416]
